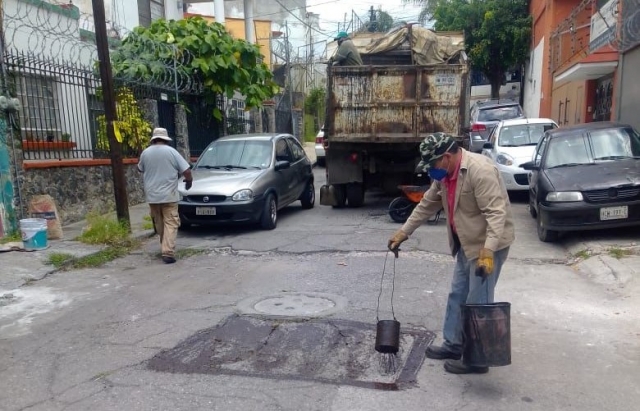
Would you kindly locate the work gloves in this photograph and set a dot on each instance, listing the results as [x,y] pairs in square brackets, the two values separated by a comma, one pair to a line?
[396,239]
[484,265]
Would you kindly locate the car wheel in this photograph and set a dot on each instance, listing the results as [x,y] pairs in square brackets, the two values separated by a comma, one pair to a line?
[546,236]
[400,209]
[269,219]
[340,192]
[308,197]
[355,195]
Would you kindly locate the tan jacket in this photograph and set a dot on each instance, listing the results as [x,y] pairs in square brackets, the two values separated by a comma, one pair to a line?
[482,211]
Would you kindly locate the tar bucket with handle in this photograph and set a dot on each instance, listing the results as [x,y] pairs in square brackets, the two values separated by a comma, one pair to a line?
[487,334]
[387,331]
[34,233]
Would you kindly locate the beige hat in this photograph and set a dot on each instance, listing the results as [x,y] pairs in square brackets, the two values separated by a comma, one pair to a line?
[160,133]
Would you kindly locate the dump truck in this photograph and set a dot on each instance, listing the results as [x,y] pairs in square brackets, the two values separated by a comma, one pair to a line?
[413,82]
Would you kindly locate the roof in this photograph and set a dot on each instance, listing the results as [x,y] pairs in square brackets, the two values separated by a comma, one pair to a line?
[586,127]
[255,136]
[521,121]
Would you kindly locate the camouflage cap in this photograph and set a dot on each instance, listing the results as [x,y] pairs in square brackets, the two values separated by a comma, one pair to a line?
[432,148]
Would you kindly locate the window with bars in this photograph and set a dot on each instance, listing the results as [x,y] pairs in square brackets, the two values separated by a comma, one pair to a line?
[150,10]
[40,109]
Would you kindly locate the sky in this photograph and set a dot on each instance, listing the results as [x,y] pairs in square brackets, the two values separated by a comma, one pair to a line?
[333,12]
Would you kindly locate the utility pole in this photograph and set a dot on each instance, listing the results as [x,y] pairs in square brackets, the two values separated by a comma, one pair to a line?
[106,77]
[289,81]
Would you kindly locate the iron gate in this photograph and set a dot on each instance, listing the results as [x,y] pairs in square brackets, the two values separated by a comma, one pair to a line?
[604,99]
[167,118]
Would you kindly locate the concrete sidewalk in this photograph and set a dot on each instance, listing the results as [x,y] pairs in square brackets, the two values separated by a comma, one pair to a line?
[18,268]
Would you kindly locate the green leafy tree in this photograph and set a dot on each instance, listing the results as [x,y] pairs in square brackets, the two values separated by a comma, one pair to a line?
[208,54]
[497,32]
[131,129]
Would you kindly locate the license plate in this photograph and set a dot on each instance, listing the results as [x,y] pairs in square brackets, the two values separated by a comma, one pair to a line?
[614,213]
[205,211]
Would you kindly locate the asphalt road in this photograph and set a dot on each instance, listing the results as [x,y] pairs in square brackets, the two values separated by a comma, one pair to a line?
[141,335]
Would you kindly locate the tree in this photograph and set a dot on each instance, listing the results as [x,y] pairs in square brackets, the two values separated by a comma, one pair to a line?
[206,54]
[497,32]
[379,21]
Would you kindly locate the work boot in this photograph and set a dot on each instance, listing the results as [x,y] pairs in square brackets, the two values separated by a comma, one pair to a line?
[457,367]
[436,352]
[168,259]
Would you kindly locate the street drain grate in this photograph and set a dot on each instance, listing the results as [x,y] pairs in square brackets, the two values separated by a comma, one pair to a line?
[327,351]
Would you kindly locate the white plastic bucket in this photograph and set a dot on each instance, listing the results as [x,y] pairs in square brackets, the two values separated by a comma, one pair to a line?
[34,233]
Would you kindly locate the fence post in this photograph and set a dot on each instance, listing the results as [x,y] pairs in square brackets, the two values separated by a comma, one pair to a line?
[149,110]
[182,132]
[256,116]
[270,109]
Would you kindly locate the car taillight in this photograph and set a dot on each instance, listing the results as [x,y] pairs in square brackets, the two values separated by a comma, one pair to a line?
[319,140]
[478,127]
[353,157]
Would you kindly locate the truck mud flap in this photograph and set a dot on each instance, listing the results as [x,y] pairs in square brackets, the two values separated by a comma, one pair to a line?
[328,196]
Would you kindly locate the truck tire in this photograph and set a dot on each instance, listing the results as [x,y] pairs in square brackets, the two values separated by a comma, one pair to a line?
[341,195]
[355,195]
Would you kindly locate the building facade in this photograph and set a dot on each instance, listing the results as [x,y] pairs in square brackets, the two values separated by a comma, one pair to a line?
[573,70]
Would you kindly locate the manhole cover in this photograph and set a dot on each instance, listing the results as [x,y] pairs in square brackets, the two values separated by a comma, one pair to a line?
[328,351]
[293,305]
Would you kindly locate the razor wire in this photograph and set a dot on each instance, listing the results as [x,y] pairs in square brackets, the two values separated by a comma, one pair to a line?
[66,37]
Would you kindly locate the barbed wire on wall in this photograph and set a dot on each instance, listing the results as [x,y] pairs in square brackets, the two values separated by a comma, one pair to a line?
[62,35]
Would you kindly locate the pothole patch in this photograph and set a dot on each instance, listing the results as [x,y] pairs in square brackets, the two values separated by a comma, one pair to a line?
[326,351]
[293,305]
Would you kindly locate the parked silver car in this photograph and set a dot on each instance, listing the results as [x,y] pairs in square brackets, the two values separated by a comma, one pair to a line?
[485,116]
[247,178]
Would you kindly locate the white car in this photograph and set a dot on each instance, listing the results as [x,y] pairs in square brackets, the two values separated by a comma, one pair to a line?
[320,154]
[513,143]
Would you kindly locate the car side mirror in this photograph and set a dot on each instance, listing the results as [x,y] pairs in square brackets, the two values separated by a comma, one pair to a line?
[530,166]
[488,146]
[282,165]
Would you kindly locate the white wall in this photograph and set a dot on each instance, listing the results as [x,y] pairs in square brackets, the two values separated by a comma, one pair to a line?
[533,82]
[172,9]
[122,13]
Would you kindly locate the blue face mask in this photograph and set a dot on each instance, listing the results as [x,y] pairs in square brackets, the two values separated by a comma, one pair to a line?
[437,174]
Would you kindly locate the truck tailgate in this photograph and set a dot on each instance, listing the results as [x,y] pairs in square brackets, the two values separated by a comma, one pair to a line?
[383,104]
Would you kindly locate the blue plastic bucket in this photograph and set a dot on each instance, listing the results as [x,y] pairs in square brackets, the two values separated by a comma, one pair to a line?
[34,233]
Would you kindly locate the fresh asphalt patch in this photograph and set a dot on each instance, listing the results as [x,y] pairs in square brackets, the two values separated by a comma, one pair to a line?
[325,350]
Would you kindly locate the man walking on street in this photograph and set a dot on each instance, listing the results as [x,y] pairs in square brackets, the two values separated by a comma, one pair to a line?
[162,167]
[469,188]
[347,54]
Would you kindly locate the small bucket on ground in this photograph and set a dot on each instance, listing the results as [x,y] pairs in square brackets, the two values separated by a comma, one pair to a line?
[388,336]
[34,233]
[487,334]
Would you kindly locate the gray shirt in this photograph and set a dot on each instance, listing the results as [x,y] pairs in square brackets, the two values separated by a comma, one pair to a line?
[162,167]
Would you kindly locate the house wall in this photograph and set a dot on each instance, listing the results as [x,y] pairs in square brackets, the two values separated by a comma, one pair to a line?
[533,80]
[630,89]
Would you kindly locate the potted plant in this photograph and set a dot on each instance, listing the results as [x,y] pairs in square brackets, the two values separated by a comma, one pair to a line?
[65,137]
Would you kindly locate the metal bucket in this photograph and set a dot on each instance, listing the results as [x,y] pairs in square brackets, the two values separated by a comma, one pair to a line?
[388,336]
[487,334]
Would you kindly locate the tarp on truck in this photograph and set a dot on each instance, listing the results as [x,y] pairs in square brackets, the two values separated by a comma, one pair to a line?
[428,47]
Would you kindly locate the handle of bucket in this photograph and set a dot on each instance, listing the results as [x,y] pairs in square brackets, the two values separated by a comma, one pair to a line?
[393,287]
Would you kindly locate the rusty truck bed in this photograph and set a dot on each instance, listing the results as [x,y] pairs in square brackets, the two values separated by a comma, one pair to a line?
[382,104]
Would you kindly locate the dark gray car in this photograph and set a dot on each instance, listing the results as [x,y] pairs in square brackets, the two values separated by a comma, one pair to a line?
[247,178]
[486,115]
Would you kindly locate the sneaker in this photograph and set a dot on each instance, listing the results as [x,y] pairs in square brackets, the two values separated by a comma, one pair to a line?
[457,367]
[436,352]
[168,259]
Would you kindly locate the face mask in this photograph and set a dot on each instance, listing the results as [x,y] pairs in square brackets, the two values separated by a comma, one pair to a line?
[438,174]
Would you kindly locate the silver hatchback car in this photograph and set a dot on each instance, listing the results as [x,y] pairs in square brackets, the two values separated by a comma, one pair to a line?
[247,179]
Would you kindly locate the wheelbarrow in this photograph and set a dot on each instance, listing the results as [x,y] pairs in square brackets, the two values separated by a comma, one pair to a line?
[401,207]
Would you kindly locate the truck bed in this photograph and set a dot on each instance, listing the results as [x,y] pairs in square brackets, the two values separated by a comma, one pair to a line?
[395,104]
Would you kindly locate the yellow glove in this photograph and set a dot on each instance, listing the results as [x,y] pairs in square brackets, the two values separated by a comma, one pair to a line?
[484,265]
[398,238]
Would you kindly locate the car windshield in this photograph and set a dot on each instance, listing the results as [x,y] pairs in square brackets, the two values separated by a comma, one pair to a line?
[615,144]
[601,145]
[499,113]
[522,135]
[241,154]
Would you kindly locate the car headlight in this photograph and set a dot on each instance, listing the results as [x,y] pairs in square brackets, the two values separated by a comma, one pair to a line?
[564,196]
[243,195]
[504,159]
